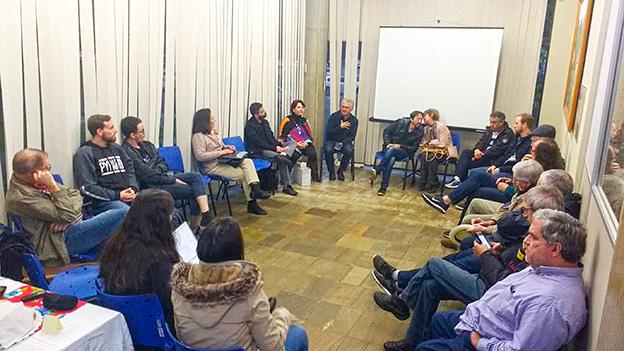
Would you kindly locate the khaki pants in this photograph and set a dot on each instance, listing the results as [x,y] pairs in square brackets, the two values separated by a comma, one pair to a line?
[481,208]
[246,173]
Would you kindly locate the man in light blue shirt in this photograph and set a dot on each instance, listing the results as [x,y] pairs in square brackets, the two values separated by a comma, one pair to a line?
[540,308]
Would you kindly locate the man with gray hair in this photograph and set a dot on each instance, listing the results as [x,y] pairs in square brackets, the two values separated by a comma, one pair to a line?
[445,279]
[482,185]
[340,135]
[540,308]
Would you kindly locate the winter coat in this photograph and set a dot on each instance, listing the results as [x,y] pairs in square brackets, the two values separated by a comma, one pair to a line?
[150,169]
[223,305]
[495,153]
[398,133]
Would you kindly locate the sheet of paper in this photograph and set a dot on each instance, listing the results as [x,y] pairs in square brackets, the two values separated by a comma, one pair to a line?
[186,243]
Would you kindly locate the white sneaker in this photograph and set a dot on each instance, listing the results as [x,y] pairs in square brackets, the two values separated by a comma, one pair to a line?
[453,184]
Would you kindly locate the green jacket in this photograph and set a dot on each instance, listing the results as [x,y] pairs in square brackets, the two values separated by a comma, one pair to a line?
[38,210]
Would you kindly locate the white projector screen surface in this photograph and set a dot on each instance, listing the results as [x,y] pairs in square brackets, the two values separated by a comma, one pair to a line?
[451,69]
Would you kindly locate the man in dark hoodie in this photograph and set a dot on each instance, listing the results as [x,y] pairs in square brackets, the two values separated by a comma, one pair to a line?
[152,172]
[490,149]
[423,289]
[103,172]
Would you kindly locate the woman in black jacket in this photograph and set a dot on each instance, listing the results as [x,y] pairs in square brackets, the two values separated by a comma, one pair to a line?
[139,256]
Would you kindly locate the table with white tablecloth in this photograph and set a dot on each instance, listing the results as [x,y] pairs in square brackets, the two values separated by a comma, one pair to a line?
[90,327]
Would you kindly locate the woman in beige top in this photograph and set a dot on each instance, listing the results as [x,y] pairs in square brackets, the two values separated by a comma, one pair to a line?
[208,147]
[436,134]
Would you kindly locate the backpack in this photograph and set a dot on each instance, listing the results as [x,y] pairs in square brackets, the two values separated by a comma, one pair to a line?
[268,180]
[12,246]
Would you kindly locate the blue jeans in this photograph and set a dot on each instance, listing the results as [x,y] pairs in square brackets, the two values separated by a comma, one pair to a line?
[297,339]
[438,280]
[477,181]
[347,153]
[464,259]
[390,156]
[443,336]
[477,169]
[104,206]
[193,189]
[86,235]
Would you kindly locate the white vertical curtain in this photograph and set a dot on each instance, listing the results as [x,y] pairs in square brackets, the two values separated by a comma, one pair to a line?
[160,60]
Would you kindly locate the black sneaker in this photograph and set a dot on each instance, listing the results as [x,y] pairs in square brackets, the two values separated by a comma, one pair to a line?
[340,175]
[254,208]
[381,191]
[332,175]
[272,303]
[206,218]
[436,202]
[290,191]
[257,193]
[384,268]
[387,285]
[400,345]
[392,304]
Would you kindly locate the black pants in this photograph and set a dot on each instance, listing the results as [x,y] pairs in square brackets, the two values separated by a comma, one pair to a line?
[466,163]
[310,154]
[429,172]
[347,152]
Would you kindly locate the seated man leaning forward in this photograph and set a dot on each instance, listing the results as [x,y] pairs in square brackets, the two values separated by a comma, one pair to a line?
[540,308]
[152,171]
[52,213]
[340,132]
[400,141]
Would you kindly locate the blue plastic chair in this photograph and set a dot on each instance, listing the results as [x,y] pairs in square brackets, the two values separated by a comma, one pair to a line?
[78,281]
[173,158]
[145,319]
[224,184]
[406,160]
[237,142]
[457,143]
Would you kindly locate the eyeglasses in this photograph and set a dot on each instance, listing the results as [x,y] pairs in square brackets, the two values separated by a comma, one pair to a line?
[526,210]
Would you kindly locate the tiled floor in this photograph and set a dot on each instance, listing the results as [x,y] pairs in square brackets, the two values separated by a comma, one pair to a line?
[315,253]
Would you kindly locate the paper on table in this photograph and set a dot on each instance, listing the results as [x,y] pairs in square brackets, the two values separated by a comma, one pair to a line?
[186,243]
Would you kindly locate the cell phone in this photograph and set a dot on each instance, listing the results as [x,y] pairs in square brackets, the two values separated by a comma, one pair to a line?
[483,240]
[33,296]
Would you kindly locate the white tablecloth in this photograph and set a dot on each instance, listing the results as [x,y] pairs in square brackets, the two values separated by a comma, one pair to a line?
[90,327]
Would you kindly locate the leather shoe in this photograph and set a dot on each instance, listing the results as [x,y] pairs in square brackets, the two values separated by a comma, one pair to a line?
[254,208]
[290,191]
[400,345]
[332,175]
[257,193]
[340,175]
[392,304]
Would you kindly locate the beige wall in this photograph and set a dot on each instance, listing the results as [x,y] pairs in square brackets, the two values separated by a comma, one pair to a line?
[359,20]
[600,249]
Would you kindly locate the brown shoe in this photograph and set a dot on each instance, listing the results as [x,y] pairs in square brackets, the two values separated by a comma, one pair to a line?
[449,243]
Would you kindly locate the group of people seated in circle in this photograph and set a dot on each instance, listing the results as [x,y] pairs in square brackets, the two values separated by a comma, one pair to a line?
[519,241]
[519,245]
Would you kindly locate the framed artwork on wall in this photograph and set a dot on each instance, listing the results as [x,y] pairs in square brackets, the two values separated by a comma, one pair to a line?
[577,61]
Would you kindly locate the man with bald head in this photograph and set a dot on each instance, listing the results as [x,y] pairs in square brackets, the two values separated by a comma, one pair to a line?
[51,213]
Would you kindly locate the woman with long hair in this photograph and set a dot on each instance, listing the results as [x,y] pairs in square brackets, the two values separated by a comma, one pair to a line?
[138,258]
[208,147]
[219,303]
[547,153]
[295,129]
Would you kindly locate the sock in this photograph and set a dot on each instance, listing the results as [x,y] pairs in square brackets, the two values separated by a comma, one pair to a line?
[395,274]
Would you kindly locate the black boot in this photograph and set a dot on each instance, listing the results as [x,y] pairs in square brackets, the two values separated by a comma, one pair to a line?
[207,217]
[257,193]
[314,172]
[254,208]
[332,175]
[340,174]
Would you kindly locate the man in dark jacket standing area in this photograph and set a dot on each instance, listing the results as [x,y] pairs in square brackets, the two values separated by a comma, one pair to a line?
[490,150]
[401,140]
[152,172]
[340,132]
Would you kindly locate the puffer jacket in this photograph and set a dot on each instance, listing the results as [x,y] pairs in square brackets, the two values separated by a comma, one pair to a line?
[223,305]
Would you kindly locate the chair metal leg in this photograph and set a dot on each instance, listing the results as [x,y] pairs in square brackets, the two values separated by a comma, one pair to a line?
[444,178]
[405,173]
[212,200]
[227,199]
[374,165]
[352,167]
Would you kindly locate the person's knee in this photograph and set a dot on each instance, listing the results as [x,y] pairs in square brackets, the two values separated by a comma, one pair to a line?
[437,265]
[296,331]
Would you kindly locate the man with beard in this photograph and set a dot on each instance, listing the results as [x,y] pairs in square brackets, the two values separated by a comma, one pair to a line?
[103,172]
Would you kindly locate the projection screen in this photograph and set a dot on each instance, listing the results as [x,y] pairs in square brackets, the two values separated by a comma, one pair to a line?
[448,68]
